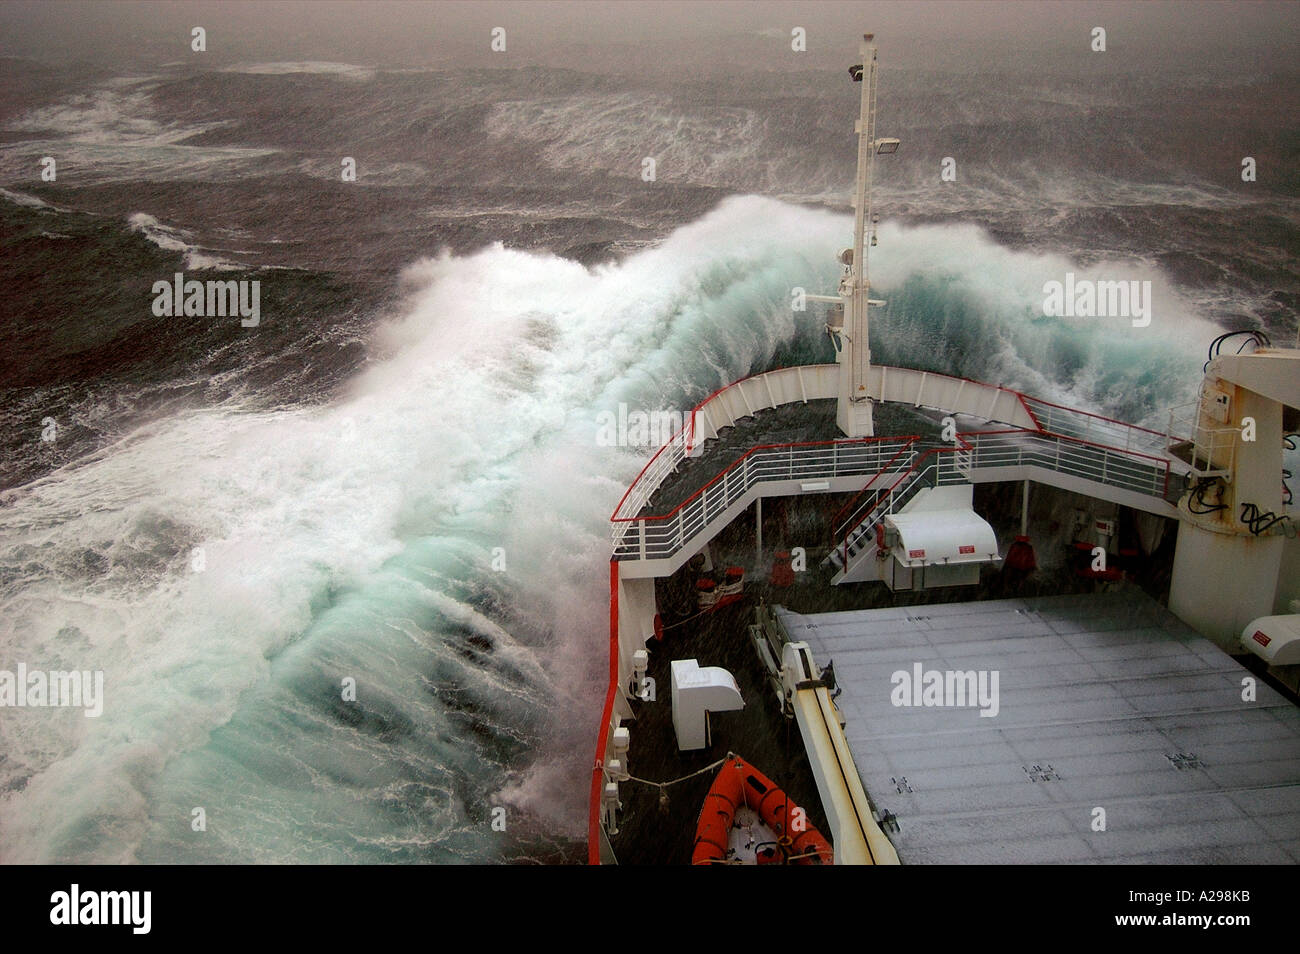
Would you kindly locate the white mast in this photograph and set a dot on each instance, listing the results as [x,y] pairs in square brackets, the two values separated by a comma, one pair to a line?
[854,414]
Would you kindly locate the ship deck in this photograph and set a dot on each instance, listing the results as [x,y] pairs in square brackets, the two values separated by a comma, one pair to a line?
[1107,701]
[662,832]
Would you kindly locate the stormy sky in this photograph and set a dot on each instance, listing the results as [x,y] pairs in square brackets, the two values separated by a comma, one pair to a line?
[666,37]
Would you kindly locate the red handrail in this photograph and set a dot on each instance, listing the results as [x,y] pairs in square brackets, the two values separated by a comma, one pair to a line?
[1067,437]
[916,467]
[911,439]
[740,460]
[964,445]
[602,741]
[1100,417]
[682,431]
[1023,398]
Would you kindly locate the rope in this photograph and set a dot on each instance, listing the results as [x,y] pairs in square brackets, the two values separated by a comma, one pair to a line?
[815,853]
[736,861]
[683,622]
[663,794]
[663,785]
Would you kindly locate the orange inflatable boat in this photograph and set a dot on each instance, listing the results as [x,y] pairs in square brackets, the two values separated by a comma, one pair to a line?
[740,786]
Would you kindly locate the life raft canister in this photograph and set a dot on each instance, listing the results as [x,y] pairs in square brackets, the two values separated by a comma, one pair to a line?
[706,592]
[1020,555]
[739,783]
[782,571]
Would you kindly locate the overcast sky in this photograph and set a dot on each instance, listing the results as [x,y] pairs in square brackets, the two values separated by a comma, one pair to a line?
[662,36]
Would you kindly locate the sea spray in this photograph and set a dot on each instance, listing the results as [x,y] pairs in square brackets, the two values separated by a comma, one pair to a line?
[356,541]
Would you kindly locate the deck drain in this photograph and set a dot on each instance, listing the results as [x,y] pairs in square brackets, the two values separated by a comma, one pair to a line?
[1041,773]
[1185,760]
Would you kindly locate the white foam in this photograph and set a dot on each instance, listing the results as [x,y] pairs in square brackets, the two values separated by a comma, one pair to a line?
[614,133]
[24,200]
[176,240]
[114,133]
[474,429]
[312,67]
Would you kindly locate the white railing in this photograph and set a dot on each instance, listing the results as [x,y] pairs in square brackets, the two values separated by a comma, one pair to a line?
[895,460]
[662,536]
[1213,449]
[660,467]
[1143,474]
[721,410]
[1096,429]
[1126,470]
[878,488]
[1062,439]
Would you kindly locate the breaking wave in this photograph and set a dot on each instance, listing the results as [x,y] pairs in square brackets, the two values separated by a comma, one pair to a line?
[435,539]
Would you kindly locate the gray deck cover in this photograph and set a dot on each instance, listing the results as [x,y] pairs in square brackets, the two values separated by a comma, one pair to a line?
[1105,701]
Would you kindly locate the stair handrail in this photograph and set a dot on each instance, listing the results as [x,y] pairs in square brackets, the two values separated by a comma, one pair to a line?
[909,448]
[888,497]
[671,531]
